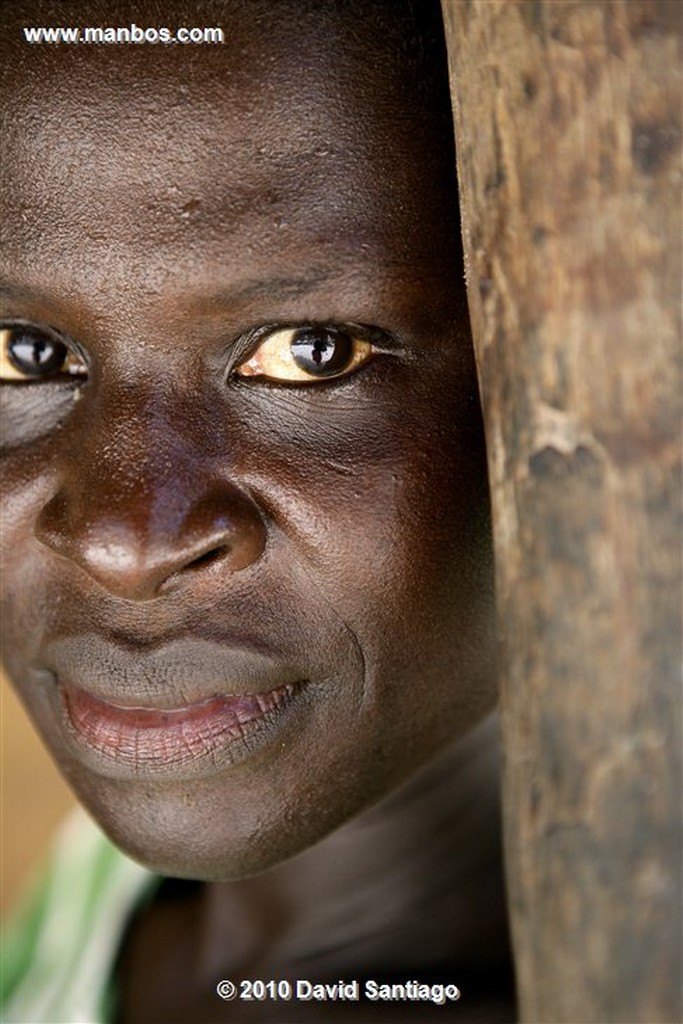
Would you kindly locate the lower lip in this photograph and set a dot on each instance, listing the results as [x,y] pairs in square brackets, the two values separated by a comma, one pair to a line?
[150,739]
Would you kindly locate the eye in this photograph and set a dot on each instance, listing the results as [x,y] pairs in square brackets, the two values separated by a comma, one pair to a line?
[33,354]
[308,354]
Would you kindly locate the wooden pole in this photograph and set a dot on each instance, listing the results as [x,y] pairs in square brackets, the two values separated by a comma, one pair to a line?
[567,118]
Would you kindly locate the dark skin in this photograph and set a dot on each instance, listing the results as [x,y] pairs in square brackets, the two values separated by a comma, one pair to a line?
[182,522]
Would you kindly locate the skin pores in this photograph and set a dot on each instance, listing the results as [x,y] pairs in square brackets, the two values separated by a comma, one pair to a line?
[238,609]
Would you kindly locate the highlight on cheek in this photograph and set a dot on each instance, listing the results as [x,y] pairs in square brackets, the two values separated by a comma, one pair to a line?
[307,354]
[31,354]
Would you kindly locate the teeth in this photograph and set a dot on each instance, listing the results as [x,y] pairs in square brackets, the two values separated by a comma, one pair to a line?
[268,701]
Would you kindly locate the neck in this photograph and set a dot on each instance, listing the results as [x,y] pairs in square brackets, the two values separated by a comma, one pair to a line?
[412,883]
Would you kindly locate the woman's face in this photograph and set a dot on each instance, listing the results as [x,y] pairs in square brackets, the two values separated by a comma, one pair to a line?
[245,555]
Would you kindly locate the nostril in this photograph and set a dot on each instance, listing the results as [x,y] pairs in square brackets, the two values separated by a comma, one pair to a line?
[209,556]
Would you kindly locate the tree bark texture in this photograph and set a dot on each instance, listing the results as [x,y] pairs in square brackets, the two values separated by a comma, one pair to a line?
[567,118]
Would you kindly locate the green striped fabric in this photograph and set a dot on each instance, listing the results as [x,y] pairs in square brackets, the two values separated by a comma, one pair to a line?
[58,952]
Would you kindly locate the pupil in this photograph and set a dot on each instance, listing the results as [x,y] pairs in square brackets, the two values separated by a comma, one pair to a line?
[36,355]
[321,351]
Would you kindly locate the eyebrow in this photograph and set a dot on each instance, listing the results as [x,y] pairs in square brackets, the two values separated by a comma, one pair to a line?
[280,287]
[11,291]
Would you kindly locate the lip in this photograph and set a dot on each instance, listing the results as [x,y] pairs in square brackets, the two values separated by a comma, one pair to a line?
[150,740]
[168,677]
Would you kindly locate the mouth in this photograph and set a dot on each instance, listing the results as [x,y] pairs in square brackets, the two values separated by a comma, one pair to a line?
[210,731]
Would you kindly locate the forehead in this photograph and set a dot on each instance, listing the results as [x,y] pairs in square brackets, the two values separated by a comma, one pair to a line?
[308,130]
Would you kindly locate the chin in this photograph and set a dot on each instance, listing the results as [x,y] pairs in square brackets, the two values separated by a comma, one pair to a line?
[210,834]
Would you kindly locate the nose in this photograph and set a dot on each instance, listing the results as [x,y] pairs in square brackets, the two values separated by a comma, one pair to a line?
[143,526]
[139,565]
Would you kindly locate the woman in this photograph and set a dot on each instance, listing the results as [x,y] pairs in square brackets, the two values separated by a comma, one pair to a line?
[246,563]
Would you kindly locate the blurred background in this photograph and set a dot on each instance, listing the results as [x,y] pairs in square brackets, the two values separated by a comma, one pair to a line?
[33,798]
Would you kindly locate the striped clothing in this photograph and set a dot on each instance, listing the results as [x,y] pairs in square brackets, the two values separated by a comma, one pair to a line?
[57,954]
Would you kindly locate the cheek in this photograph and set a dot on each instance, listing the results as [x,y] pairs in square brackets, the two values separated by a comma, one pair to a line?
[385,505]
[379,490]
[25,604]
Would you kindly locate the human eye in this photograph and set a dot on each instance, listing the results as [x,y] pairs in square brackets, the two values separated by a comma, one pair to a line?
[32,354]
[308,354]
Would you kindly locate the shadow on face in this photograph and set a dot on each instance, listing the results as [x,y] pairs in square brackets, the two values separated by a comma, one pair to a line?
[247,565]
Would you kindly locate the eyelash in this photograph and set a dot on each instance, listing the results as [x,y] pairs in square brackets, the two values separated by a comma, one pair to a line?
[357,344]
[361,342]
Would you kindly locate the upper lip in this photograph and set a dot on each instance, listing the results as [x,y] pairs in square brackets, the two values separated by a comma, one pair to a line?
[175,675]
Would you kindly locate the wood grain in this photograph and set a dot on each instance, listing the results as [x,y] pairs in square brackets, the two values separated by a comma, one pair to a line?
[568,123]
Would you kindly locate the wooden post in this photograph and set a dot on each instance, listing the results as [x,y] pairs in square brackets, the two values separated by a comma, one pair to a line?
[567,118]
